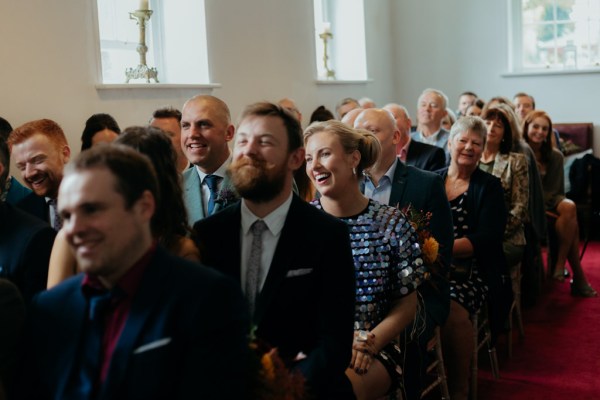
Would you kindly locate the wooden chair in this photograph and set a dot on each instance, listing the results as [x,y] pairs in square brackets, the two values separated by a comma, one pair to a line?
[515,308]
[436,368]
[482,335]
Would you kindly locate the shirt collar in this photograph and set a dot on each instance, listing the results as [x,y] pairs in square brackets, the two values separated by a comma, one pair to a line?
[274,221]
[128,283]
[404,150]
[221,171]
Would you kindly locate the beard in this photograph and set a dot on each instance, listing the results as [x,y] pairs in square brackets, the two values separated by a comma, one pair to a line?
[256,180]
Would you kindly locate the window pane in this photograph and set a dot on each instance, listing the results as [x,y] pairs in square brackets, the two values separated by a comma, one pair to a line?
[175,37]
[559,33]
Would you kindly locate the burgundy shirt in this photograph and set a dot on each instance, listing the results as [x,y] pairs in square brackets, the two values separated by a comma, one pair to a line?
[120,305]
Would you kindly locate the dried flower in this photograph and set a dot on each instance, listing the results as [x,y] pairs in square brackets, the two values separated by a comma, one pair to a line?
[430,247]
[429,250]
[270,377]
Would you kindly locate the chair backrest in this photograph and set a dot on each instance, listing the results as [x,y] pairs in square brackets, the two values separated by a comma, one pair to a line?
[579,134]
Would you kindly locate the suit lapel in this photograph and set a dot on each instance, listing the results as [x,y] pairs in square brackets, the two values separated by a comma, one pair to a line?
[398,184]
[282,258]
[193,196]
[233,257]
[227,195]
[500,165]
[145,302]
[75,308]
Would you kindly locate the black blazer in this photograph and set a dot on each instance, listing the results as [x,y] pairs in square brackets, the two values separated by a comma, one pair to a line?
[425,156]
[307,302]
[185,337]
[12,315]
[36,206]
[25,247]
[487,221]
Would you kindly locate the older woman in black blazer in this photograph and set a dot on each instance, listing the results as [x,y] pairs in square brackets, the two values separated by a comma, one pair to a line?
[478,263]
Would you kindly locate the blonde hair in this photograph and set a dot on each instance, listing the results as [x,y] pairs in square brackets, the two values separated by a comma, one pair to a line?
[351,140]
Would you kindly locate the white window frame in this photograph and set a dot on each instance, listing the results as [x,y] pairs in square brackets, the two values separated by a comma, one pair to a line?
[347,50]
[515,50]
[199,78]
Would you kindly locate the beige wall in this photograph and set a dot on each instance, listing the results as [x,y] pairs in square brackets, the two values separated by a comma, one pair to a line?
[259,50]
[263,49]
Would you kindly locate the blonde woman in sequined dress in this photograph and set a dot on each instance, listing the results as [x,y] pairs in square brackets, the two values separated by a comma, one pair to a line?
[386,255]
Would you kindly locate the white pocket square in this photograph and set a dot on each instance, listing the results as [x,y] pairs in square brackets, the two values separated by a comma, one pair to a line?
[298,272]
[152,345]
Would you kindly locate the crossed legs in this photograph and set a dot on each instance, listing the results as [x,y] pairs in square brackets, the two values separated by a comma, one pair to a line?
[567,230]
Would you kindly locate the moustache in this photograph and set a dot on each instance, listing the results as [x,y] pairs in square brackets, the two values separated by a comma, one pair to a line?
[247,161]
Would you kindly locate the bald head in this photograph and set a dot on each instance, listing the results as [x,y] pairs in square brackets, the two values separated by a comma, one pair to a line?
[291,106]
[382,124]
[350,116]
[403,121]
[206,129]
[217,106]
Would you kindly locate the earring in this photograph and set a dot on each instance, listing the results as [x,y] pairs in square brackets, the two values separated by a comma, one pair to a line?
[354,171]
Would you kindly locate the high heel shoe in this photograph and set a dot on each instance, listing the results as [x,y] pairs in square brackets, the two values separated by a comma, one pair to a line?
[559,276]
[584,290]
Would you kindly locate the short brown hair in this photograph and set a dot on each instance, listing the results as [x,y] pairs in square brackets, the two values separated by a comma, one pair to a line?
[46,127]
[132,170]
[292,126]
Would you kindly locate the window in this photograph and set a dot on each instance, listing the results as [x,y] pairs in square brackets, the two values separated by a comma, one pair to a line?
[344,20]
[555,34]
[175,37]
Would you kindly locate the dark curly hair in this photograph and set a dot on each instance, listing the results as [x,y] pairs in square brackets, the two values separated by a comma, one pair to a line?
[95,124]
[169,223]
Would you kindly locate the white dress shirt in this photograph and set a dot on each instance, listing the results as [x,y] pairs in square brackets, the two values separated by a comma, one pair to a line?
[383,191]
[274,221]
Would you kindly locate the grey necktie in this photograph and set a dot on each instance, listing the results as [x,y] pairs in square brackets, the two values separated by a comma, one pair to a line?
[57,218]
[253,266]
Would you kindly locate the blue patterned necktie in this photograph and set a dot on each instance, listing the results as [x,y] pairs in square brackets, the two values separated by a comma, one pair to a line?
[212,181]
[253,266]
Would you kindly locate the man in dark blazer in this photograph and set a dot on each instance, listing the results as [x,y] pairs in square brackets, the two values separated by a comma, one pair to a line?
[40,151]
[302,300]
[417,154]
[138,323]
[25,242]
[393,183]
[12,315]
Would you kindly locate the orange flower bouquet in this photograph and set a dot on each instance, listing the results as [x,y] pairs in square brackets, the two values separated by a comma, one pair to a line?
[270,377]
[429,245]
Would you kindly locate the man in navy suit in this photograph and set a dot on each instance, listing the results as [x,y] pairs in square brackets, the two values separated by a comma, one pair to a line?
[393,183]
[139,323]
[25,241]
[40,151]
[419,155]
[206,131]
[296,270]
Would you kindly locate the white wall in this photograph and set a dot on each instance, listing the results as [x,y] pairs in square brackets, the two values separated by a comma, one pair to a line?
[263,49]
[463,45]
[259,50]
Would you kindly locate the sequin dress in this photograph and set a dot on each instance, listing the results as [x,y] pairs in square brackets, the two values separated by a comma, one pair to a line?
[468,290]
[388,266]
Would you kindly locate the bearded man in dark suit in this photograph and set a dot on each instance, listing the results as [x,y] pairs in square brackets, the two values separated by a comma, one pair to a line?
[293,261]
